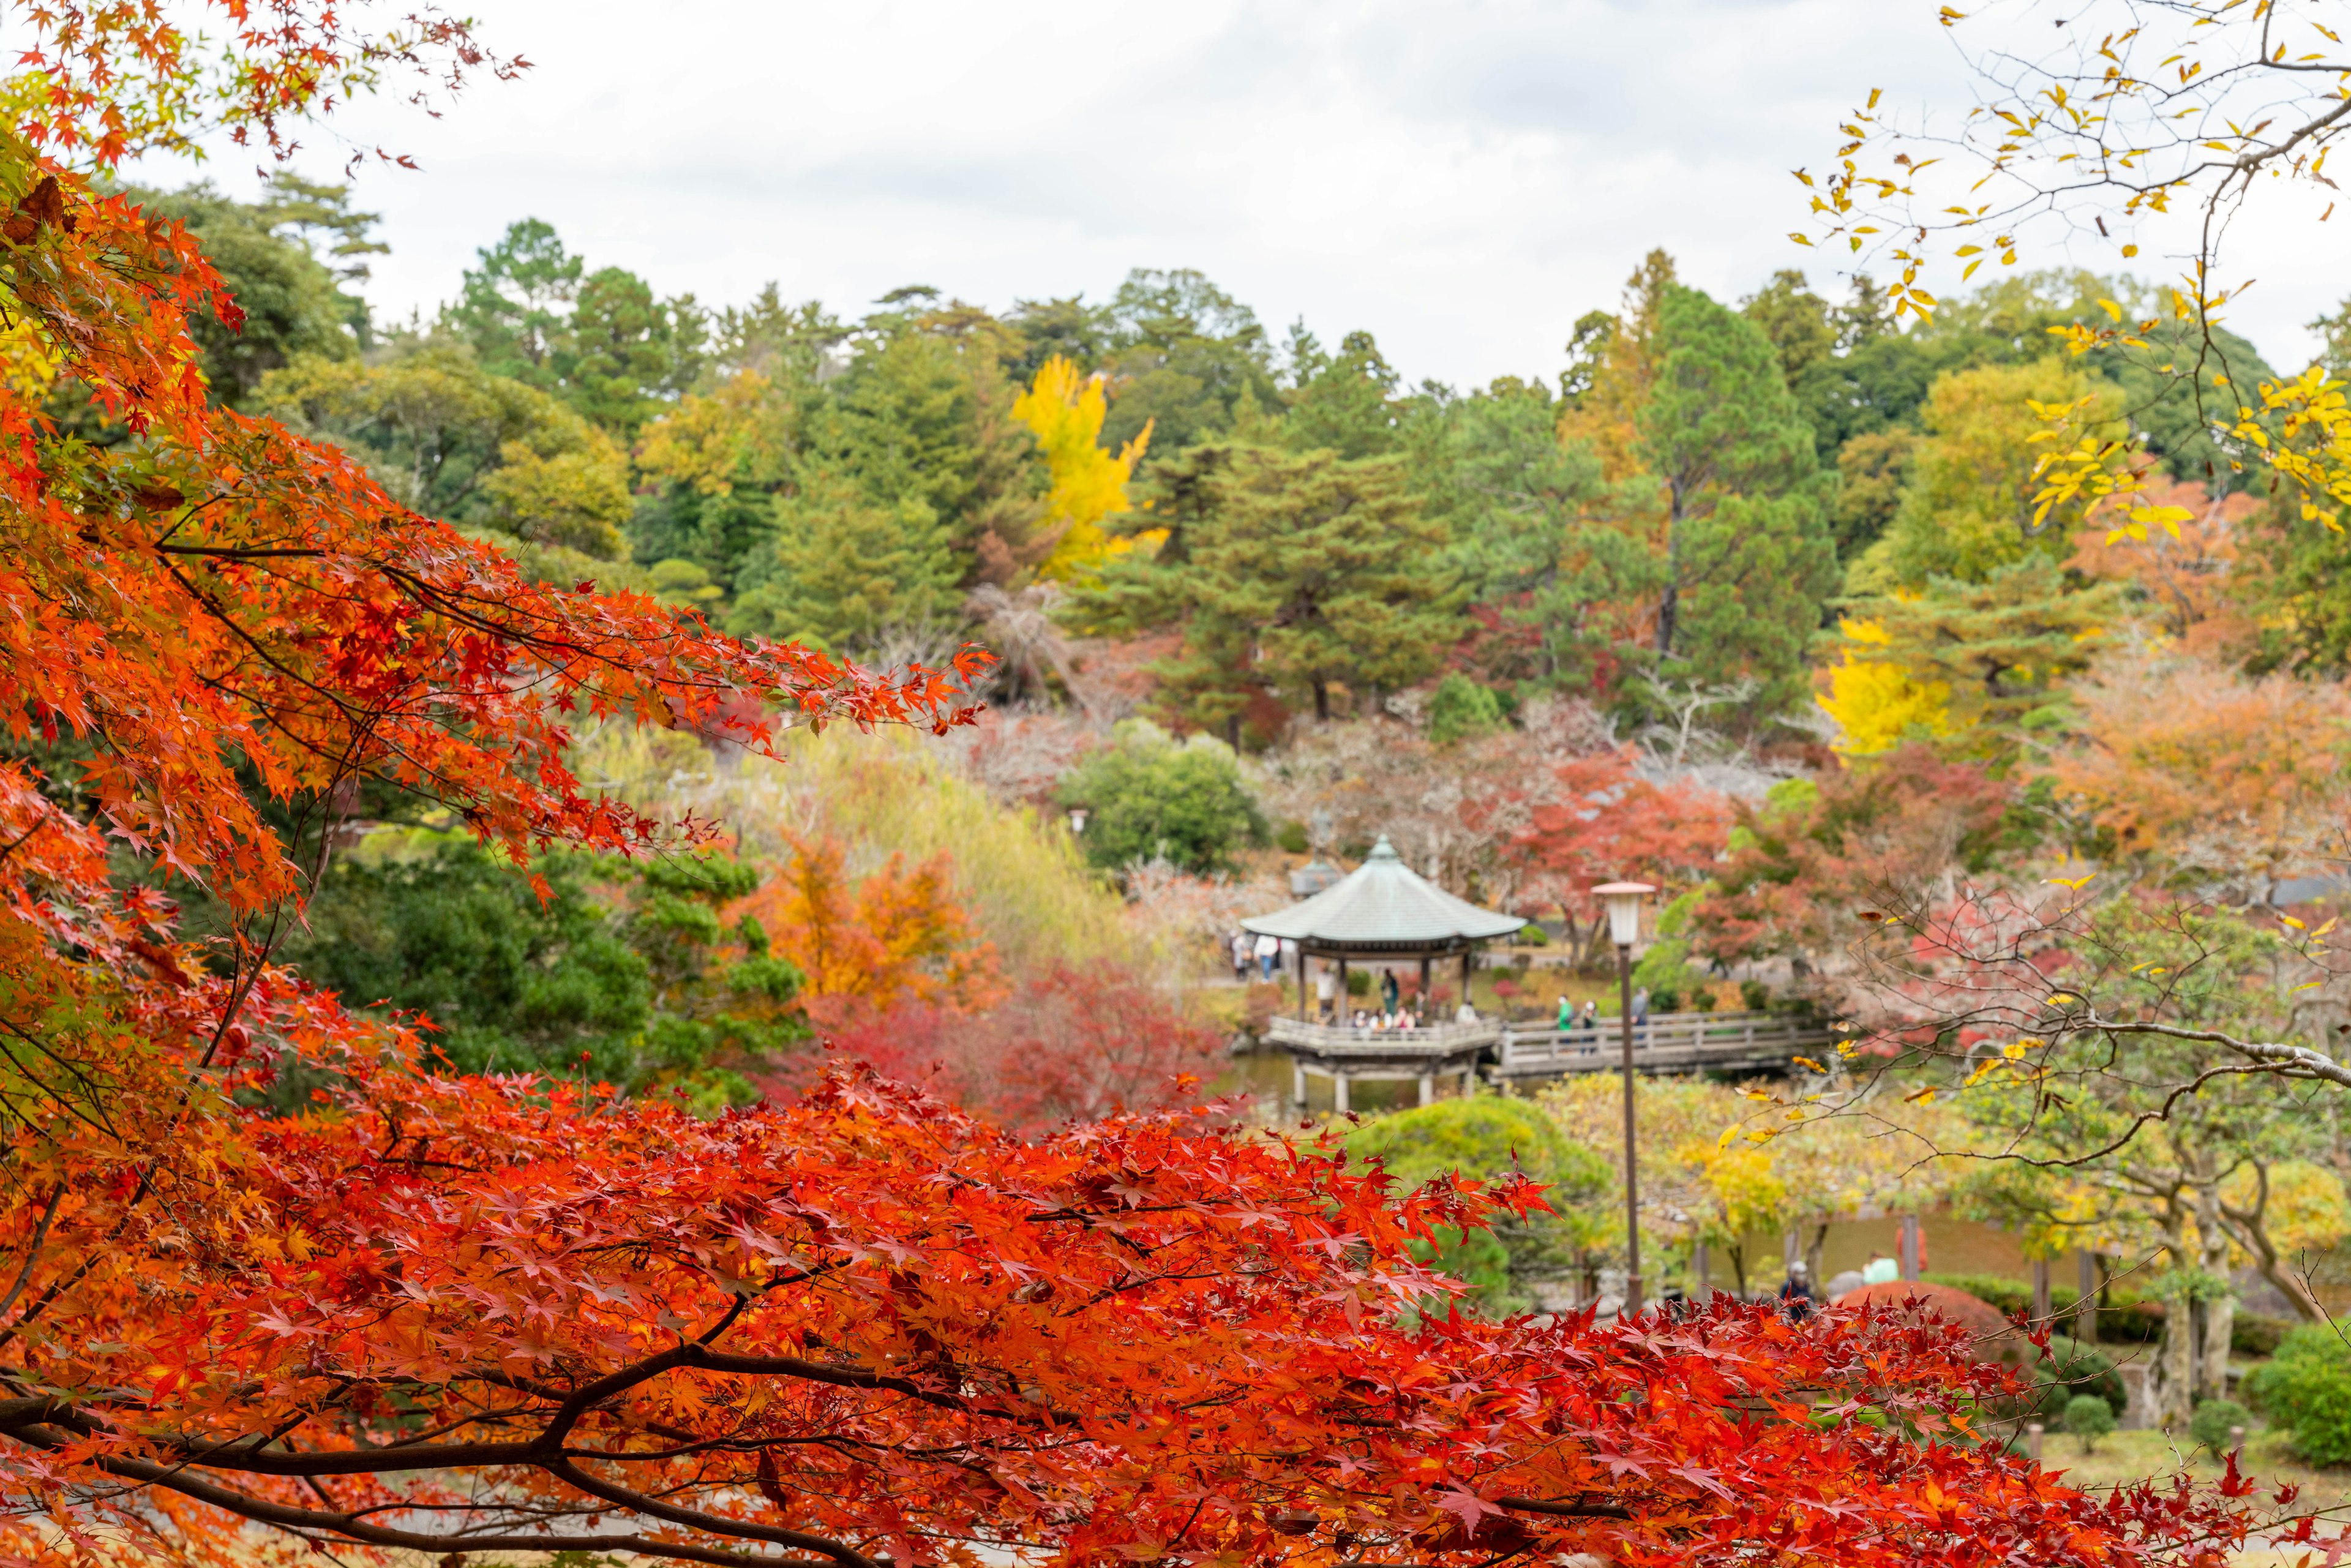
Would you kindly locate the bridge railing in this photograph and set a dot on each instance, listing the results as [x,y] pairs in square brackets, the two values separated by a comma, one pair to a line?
[1341,1039]
[1666,1042]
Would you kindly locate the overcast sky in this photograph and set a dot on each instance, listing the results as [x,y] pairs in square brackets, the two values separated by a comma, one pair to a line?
[1463,179]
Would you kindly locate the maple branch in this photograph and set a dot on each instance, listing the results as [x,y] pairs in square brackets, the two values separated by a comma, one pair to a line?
[1566,1510]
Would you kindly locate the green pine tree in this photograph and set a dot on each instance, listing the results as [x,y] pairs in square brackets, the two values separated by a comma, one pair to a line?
[843,568]
[1301,571]
[1528,546]
[1747,558]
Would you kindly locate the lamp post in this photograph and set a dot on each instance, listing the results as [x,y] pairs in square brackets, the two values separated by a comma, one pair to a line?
[1078,815]
[1624,901]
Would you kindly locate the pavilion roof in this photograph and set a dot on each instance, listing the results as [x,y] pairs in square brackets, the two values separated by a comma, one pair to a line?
[1384,906]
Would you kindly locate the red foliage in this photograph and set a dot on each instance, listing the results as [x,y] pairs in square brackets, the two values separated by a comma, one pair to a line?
[1880,834]
[1070,1045]
[1991,1336]
[1604,822]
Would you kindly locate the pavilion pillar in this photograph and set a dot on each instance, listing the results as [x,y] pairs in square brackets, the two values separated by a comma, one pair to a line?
[1344,1008]
[1339,1092]
[1298,1083]
[1423,982]
[1469,1081]
[1465,976]
[1301,982]
[1428,1087]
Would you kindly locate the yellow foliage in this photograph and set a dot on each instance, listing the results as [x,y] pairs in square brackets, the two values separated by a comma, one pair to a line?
[710,441]
[1874,702]
[1066,411]
[2308,1210]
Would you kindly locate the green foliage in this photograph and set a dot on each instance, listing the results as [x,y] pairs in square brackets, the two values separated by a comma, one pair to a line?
[841,569]
[1189,360]
[455,442]
[1485,1139]
[2072,1370]
[1305,571]
[1527,545]
[625,973]
[2252,1335]
[1343,403]
[1149,796]
[294,305]
[1748,557]
[2305,1388]
[1966,509]
[600,340]
[1291,838]
[2213,1424]
[2089,1418]
[1461,709]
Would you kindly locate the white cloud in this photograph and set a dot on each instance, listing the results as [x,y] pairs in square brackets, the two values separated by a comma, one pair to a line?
[1462,179]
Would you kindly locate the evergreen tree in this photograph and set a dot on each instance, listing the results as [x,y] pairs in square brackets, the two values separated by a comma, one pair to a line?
[624,355]
[1528,547]
[1343,402]
[1746,556]
[513,308]
[1297,570]
[844,566]
[1183,355]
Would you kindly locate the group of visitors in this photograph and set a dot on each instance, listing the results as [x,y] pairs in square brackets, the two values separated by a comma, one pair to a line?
[1585,1026]
[1260,956]
[1399,1018]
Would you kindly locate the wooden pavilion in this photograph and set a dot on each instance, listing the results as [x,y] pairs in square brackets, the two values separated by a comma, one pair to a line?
[1384,912]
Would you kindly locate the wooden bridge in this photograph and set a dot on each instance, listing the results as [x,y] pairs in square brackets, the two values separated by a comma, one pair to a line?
[1670,1042]
[1511,1054]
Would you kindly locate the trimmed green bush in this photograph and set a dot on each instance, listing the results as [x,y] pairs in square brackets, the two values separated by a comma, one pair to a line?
[2072,1370]
[2214,1420]
[2089,1418]
[2306,1388]
[1293,839]
[1532,936]
[2252,1334]
[1754,996]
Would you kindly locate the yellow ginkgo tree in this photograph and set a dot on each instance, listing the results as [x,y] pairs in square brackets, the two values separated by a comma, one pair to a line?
[1065,409]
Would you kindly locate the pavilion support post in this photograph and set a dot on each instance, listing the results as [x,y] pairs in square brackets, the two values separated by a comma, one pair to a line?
[1345,1010]
[1301,982]
[1339,1092]
[1465,976]
[1469,1081]
[1298,1083]
[1423,982]
[1428,1087]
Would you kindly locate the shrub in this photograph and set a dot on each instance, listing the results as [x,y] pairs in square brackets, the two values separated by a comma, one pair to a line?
[1359,982]
[1754,996]
[2089,1418]
[2253,1335]
[1484,1139]
[1152,797]
[2009,1295]
[2072,1370]
[1532,936]
[2213,1421]
[2306,1388]
[1460,710]
[1665,1000]
[1292,838]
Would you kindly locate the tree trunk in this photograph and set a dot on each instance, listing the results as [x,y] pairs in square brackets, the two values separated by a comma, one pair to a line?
[1322,701]
[2220,1302]
[1233,731]
[2171,1380]
[1669,608]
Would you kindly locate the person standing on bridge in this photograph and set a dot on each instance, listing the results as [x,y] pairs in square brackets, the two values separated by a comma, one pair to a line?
[1390,992]
[1566,1013]
[1641,1007]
